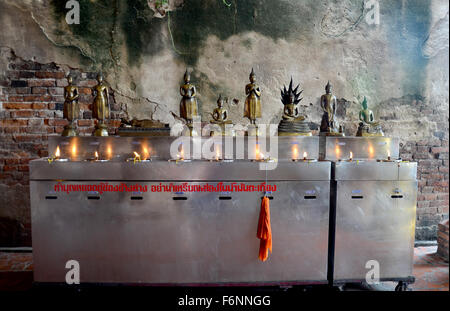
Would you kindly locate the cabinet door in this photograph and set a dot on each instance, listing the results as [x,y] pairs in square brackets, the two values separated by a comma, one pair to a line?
[375,220]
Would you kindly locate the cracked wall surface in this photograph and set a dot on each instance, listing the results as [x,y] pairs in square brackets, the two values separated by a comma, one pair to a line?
[143,48]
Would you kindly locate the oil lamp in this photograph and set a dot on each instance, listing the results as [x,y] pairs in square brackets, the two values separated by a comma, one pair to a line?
[218,156]
[57,156]
[137,157]
[57,153]
[96,158]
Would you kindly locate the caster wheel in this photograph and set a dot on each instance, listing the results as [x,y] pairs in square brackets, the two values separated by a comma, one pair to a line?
[401,287]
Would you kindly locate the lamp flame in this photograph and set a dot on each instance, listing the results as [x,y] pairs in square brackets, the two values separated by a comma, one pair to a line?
[137,157]
[389,155]
[305,155]
[351,156]
[96,155]
[57,152]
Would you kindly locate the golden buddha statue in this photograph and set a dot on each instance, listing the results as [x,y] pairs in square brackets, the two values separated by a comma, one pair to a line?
[292,124]
[100,109]
[252,108]
[188,104]
[71,109]
[368,126]
[220,114]
[329,124]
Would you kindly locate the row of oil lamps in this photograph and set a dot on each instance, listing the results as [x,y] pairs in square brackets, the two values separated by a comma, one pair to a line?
[146,156]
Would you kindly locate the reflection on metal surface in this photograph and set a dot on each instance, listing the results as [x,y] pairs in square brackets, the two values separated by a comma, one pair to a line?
[192,237]
[375,216]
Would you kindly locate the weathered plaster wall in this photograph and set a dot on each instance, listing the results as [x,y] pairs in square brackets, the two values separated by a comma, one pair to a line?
[401,65]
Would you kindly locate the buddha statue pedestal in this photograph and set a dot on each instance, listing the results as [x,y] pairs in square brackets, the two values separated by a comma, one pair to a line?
[296,127]
[253,130]
[69,130]
[189,130]
[101,129]
[292,124]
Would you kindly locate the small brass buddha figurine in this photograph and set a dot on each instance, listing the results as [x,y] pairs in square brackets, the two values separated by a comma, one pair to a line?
[220,116]
[100,109]
[329,125]
[188,104]
[71,108]
[252,108]
[292,123]
[368,126]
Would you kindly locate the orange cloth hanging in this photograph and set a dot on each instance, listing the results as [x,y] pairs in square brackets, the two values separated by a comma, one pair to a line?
[264,232]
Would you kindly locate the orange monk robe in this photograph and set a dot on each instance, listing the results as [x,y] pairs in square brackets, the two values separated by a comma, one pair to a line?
[264,230]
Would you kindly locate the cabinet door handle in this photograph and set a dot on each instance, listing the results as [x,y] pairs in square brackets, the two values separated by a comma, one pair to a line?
[310,197]
[397,196]
[357,197]
[179,198]
[224,198]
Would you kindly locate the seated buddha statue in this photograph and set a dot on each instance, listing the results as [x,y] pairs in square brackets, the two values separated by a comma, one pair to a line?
[220,114]
[292,123]
[368,126]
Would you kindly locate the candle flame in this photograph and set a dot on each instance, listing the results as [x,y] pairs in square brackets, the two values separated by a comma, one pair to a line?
[305,155]
[389,154]
[96,155]
[351,155]
[57,152]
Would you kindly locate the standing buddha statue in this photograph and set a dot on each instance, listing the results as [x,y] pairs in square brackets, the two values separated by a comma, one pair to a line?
[100,109]
[188,104]
[329,124]
[71,109]
[252,108]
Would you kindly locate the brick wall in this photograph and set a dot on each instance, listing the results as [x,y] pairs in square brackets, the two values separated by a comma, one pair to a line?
[31,110]
[431,156]
[31,103]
